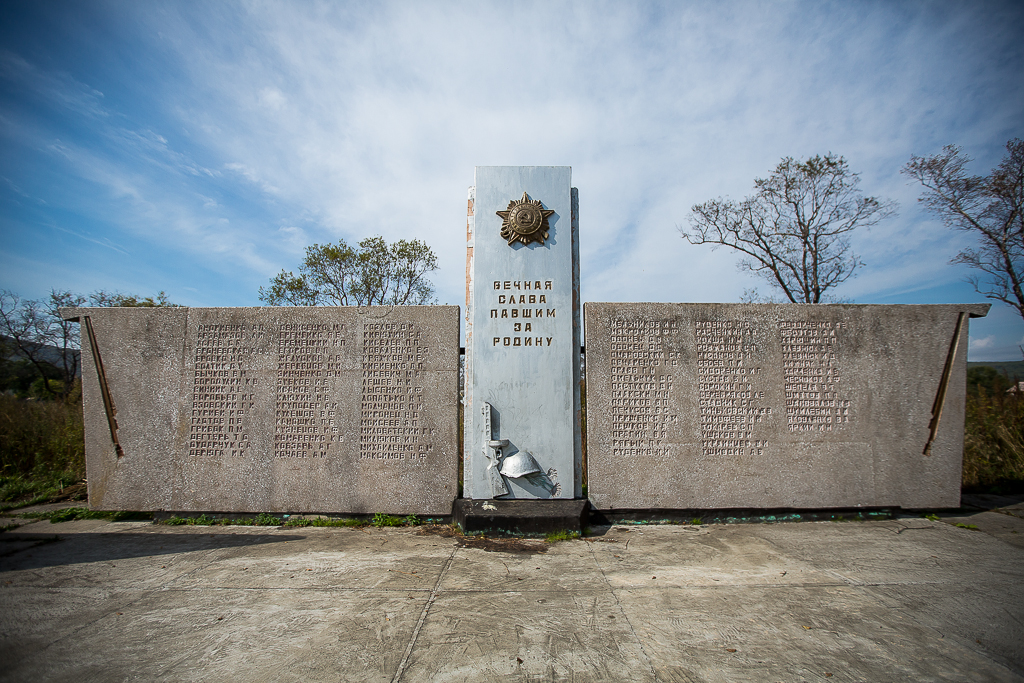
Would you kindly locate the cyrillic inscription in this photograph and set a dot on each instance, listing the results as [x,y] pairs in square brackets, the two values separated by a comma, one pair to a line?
[730,402]
[308,360]
[392,395]
[780,405]
[520,309]
[641,387]
[223,386]
[812,379]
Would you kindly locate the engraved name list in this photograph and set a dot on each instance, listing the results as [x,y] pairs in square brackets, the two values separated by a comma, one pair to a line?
[391,425]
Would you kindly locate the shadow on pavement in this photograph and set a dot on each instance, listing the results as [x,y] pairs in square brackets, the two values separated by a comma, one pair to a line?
[34,551]
[990,501]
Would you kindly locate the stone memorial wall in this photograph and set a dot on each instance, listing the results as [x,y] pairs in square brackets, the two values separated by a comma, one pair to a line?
[689,406]
[703,406]
[271,409]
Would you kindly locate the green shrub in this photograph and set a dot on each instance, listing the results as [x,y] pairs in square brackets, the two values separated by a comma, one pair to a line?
[264,519]
[983,379]
[381,520]
[37,487]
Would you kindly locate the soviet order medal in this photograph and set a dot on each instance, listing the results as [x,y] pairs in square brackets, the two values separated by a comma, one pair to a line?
[525,220]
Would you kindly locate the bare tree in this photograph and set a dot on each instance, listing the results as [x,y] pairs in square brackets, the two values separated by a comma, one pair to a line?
[37,333]
[794,230]
[34,330]
[990,207]
[373,274]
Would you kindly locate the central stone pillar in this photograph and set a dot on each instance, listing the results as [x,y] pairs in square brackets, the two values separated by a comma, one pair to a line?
[522,382]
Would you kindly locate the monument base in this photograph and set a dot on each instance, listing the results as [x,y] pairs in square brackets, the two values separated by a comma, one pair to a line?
[520,516]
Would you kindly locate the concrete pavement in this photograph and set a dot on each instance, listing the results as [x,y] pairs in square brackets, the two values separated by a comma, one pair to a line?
[895,600]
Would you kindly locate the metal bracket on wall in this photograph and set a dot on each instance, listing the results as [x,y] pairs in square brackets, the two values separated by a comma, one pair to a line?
[940,396]
[108,400]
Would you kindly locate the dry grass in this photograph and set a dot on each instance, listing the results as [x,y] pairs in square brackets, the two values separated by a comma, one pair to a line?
[994,440]
[45,435]
[42,448]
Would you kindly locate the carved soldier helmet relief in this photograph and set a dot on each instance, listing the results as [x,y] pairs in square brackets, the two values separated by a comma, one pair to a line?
[525,220]
[519,465]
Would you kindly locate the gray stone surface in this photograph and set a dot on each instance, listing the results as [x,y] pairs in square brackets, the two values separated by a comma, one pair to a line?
[522,339]
[901,600]
[703,406]
[273,409]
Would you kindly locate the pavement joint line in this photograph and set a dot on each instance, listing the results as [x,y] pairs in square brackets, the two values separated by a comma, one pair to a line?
[625,615]
[848,581]
[423,616]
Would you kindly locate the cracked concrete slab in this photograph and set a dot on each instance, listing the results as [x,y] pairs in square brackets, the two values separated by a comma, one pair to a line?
[900,599]
[769,634]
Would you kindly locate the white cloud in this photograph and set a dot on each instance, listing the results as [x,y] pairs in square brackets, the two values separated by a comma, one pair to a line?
[343,120]
[293,239]
[253,176]
[272,98]
[983,343]
[103,242]
[59,87]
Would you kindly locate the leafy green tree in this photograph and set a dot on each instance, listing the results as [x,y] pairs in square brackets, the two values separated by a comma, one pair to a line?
[103,298]
[372,274]
[794,230]
[990,207]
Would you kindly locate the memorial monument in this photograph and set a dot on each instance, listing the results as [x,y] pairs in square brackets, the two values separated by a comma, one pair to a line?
[522,438]
[522,393]
[711,406]
[689,406]
[325,409]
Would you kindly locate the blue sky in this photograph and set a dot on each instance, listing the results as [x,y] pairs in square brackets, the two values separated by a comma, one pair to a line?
[197,148]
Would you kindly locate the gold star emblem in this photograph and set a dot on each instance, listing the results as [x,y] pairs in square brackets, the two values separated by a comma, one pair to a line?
[525,220]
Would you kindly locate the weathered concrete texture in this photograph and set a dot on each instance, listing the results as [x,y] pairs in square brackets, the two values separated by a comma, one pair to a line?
[904,599]
[704,406]
[523,338]
[997,515]
[272,409]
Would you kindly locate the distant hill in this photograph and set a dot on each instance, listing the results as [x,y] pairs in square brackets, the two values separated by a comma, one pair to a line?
[49,354]
[1009,368]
